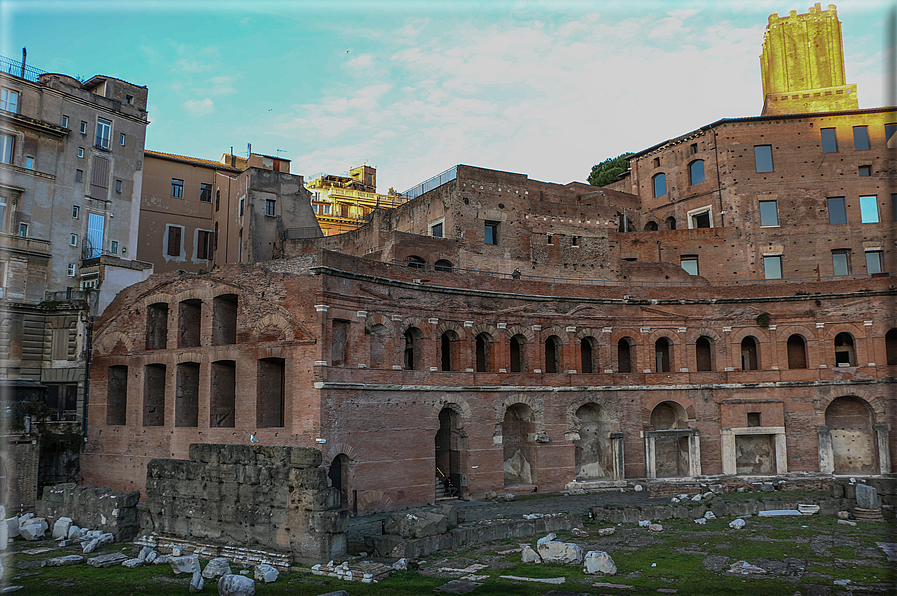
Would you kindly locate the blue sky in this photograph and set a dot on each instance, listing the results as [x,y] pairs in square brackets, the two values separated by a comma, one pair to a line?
[414,87]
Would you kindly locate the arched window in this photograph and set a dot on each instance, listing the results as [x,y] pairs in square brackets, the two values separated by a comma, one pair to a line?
[588,351]
[663,355]
[671,223]
[624,355]
[553,354]
[379,353]
[484,352]
[797,352]
[696,171]
[844,352]
[704,353]
[660,184]
[443,265]
[651,226]
[749,354]
[412,358]
[518,353]
[416,262]
[449,351]
[891,346]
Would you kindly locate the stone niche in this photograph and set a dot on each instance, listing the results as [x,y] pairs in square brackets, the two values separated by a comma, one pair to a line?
[270,498]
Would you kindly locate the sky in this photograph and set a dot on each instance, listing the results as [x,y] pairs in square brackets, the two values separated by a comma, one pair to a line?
[412,88]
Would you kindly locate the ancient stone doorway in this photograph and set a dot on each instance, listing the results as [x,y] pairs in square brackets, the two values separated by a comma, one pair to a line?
[339,478]
[593,452]
[450,450]
[849,421]
[755,454]
[517,431]
[671,458]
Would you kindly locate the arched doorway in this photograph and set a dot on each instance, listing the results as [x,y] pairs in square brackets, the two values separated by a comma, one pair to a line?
[519,452]
[339,478]
[451,447]
[593,452]
[849,421]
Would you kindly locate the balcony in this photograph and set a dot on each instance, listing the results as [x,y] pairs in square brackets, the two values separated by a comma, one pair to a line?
[32,246]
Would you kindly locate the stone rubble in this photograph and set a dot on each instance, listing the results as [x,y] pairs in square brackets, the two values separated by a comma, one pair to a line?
[736,524]
[216,568]
[597,561]
[561,553]
[235,585]
[107,560]
[267,574]
[528,555]
[63,561]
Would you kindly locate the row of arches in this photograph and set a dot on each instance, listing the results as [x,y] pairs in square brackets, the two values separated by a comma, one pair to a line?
[416,262]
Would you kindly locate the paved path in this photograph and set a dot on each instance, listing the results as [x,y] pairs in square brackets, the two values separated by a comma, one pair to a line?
[370,525]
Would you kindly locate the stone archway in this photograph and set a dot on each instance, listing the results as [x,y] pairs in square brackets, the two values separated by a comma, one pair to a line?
[593,451]
[518,432]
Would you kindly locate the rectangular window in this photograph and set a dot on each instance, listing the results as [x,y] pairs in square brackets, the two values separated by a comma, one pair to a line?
[772,267]
[436,230]
[891,136]
[841,262]
[9,100]
[76,211]
[269,207]
[65,121]
[83,127]
[326,208]
[113,247]
[23,230]
[769,213]
[837,213]
[203,244]
[177,188]
[829,140]
[81,152]
[121,139]
[205,192]
[700,218]
[96,225]
[174,241]
[79,175]
[118,186]
[29,163]
[73,240]
[861,138]
[763,158]
[7,143]
[689,263]
[864,171]
[491,232]
[873,262]
[869,209]
[73,269]
[104,133]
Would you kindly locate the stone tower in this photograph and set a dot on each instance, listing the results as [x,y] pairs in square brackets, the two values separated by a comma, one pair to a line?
[802,64]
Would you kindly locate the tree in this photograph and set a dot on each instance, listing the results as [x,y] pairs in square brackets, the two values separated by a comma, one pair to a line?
[609,170]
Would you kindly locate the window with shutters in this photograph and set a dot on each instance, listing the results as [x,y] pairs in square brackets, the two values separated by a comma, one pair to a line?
[203,244]
[96,224]
[174,241]
[99,179]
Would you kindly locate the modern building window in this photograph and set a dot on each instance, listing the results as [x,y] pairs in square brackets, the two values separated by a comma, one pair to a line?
[118,186]
[491,232]
[763,158]
[837,212]
[76,211]
[79,175]
[81,152]
[104,133]
[769,214]
[660,184]
[177,188]
[696,171]
[689,263]
[65,121]
[29,163]
[121,139]
[243,199]
[829,140]
[73,240]
[700,218]
[173,249]
[23,230]
[864,171]
[9,100]
[203,244]
[7,144]
[436,229]
[113,247]
[83,127]
[861,138]
[96,226]
[269,207]
[205,192]
[891,136]
[841,262]
[869,209]
[73,269]
[874,262]
[772,267]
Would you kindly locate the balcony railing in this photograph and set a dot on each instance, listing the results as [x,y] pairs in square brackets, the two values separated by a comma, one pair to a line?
[17,69]
[434,182]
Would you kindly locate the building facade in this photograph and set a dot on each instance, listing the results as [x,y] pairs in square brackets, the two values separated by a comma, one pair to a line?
[344,202]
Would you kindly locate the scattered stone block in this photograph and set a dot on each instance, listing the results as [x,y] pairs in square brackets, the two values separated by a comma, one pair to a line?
[745,568]
[12,526]
[867,497]
[185,564]
[106,538]
[528,555]
[598,561]
[638,488]
[807,509]
[197,583]
[736,524]
[90,546]
[163,560]
[266,574]
[847,522]
[709,515]
[843,514]
[697,497]
[63,561]
[701,521]
[107,560]
[615,586]
[31,532]
[561,553]
[24,519]
[4,534]
[177,550]
[547,580]
[216,568]
[607,531]
[401,564]
[61,527]
[655,528]
[73,531]
[235,585]
[644,523]
[144,552]
[579,533]
[132,563]
[152,556]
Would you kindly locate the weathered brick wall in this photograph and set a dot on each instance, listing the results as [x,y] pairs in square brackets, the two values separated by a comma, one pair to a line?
[20,458]
[93,508]
[249,495]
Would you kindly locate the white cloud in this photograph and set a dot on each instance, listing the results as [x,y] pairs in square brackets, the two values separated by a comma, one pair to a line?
[199,107]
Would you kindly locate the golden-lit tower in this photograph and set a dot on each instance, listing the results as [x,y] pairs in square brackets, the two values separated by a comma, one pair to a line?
[802,64]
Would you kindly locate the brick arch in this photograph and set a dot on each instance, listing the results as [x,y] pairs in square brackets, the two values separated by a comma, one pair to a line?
[456,403]
[373,501]
[880,328]
[419,322]
[783,333]
[336,449]
[520,330]
[696,334]
[857,331]
[275,320]
[109,340]
[619,334]
[379,319]
[558,331]
[157,298]
[671,335]
[451,326]
[219,290]
[574,424]
[829,394]
[595,334]
[192,294]
[657,398]
[535,402]
[194,357]
[761,335]
[484,328]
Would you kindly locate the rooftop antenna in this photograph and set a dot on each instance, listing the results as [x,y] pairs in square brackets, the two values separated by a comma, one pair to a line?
[24,57]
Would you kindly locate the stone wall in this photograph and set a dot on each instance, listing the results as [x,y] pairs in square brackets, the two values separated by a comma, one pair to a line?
[102,509]
[19,459]
[248,495]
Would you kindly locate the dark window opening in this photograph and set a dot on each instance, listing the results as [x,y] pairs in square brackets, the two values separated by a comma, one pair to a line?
[174,241]
[844,352]
[749,360]
[701,220]
[412,354]
[861,138]
[270,393]
[154,395]
[553,354]
[651,226]
[205,192]
[189,323]
[797,352]
[671,223]
[157,326]
[223,393]
[588,352]
[224,320]
[704,354]
[443,265]
[484,352]
[753,419]
[891,347]
[491,232]
[117,396]
[517,353]
[416,262]
[624,355]
[662,355]
[339,343]
[186,395]
[837,212]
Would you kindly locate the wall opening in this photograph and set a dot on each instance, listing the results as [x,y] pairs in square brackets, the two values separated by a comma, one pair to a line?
[749,356]
[670,223]
[449,351]
[339,343]
[339,478]
[651,226]
[412,359]
[222,397]
[553,354]
[670,452]
[449,444]
[186,395]
[519,450]
[849,421]
[443,265]
[224,320]
[704,354]
[624,355]
[588,355]
[154,395]
[270,393]
[592,451]
[189,323]
[797,352]
[755,454]
[844,352]
[157,326]
[117,396]
[379,354]
[416,262]
[518,353]
[891,347]
[663,355]
[484,352]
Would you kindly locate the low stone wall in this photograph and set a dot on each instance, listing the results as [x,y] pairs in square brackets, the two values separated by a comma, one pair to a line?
[720,508]
[885,486]
[485,531]
[250,496]
[102,509]
[661,489]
